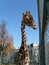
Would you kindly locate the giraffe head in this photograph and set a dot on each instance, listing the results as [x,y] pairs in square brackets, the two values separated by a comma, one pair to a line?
[28,20]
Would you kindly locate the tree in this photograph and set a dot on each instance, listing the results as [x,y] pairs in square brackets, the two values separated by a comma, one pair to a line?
[6,40]
[2,34]
[5,37]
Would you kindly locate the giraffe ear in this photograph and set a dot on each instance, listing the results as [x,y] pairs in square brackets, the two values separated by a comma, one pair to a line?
[23,14]
[29,12]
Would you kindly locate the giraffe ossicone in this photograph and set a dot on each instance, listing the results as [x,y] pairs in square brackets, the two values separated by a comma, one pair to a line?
[23,54]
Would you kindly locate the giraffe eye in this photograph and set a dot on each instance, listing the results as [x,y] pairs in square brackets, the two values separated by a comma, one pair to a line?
[26,18]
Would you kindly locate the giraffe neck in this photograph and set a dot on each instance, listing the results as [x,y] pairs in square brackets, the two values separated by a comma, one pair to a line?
[24,47]
[24,39]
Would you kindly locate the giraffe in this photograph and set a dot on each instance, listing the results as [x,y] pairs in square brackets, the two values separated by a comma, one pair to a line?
[23,54]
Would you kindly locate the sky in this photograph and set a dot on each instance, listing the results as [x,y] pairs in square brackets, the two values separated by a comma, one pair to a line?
[11,11]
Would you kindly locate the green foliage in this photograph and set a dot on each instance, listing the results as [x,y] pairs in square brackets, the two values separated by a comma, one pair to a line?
[1,48]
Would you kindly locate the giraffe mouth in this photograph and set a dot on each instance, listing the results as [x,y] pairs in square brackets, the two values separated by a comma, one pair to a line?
[34,27]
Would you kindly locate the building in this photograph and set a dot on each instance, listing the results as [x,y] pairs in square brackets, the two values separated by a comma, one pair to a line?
[34,53]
